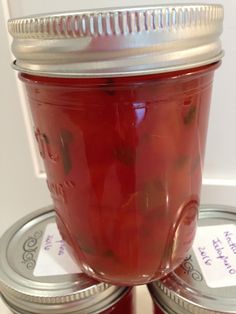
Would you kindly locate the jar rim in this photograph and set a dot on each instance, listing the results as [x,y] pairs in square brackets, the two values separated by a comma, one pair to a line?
[118,42]
[76,82]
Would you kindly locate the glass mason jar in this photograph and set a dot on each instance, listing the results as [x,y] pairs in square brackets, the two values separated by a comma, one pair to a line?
[203,283]
[120,101]
[37,274]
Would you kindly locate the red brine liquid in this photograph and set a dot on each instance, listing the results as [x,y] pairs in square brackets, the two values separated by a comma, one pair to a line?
[157,310]
[123,158]
[126,305]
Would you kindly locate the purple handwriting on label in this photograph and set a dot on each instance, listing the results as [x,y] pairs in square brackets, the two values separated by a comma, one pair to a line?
[205,257]
[61,251]
[48,242]
[228,236]
[217,244]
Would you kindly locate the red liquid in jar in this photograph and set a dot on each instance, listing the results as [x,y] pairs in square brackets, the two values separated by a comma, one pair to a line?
[157,310]
[124,158]
[126,305]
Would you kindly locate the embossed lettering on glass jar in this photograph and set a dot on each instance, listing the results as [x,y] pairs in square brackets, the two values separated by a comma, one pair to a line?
[202,283]
[120,101]
[37,274]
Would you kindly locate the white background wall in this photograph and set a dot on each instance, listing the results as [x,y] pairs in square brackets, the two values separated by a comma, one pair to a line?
[21,188]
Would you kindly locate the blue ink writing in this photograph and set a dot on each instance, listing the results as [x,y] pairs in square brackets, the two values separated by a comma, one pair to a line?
[48,243]
[206,259]
[217,244]
[228,237]
[61,248]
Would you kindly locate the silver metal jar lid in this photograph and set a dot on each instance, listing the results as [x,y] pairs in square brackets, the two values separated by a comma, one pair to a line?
[186,290]
[26,293]
[118,42]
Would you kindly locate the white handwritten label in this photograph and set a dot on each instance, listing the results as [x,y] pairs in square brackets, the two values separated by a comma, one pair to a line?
[53,258]
[215,250]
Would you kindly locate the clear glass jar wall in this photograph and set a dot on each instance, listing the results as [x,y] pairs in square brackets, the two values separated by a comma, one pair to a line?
[120,106]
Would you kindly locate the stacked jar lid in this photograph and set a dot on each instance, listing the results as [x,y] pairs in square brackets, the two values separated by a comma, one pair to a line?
[205,281]
[38,275]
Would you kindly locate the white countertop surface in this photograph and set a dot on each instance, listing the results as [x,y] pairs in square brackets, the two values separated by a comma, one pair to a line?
[143,304]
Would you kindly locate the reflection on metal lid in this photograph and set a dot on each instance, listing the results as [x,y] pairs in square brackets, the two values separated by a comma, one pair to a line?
[198,285]
[29,285]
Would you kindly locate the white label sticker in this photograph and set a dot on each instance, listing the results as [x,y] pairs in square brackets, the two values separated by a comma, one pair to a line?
[53,258]
[215,250]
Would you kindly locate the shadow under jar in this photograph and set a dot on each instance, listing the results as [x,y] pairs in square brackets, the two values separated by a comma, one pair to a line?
[121,116]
